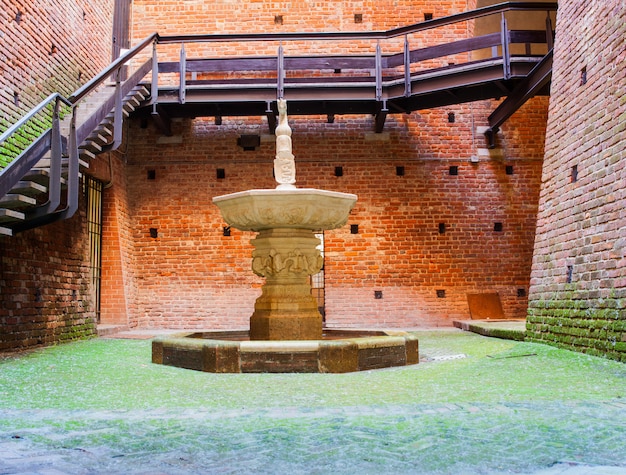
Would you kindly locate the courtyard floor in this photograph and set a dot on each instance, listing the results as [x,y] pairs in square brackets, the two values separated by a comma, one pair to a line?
[474,405]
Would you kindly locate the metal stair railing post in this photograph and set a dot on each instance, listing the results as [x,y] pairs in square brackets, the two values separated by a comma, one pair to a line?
[280,80]
[183,74]
[154,88]
[549,34]
[379,73]
[73,171]
[118,119]
[506,59]
[407,67]
[54,172]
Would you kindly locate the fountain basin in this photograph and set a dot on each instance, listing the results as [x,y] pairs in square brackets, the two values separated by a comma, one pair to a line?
[297,208]
[340,351]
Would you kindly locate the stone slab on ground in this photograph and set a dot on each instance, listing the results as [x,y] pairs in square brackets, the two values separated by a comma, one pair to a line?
[506,329]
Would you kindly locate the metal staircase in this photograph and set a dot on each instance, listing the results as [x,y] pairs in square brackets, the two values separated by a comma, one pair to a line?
[40,184]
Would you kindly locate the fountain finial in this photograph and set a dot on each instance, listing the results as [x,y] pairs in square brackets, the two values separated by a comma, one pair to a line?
[284,163]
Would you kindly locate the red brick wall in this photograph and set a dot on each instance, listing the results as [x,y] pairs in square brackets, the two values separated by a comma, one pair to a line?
[582,224]
[45,285]
[117,250]
[192,275]
[171,17]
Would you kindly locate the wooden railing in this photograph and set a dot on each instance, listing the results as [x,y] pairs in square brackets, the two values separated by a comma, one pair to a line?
[257,70]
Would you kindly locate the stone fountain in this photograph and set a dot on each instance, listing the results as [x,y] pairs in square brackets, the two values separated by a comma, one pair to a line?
[286,331]
[286,250]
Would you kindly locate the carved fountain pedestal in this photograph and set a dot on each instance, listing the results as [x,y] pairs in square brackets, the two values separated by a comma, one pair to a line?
[286,253]
[286,310]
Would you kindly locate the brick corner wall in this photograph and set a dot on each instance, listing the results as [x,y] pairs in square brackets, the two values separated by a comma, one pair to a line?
[45,287]
[578,282]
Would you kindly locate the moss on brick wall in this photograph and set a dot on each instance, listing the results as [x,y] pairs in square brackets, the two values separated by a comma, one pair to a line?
[594,326]
[48,46]
[577,297]
[45,285]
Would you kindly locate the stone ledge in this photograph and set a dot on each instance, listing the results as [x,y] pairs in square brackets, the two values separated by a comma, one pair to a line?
[279,346]
[343,352]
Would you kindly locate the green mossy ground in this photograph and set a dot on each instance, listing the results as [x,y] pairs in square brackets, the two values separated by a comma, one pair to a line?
[496,406]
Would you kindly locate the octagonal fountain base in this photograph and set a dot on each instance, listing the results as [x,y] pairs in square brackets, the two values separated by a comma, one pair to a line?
[339,351]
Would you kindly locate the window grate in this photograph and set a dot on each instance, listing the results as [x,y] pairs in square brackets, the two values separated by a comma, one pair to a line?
[94,229]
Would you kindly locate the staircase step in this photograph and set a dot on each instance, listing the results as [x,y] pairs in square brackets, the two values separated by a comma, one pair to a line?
[104,130]
[29,188]
[110,117]
[91,146]
[141,92]
[5,231]
[44,163]
[130,106]
[13,201]
[97,138]
[40,176]
[133,101]
[86,155]
[10,215]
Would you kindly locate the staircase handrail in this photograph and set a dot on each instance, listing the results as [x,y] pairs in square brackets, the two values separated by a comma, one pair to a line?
[93,83]
[55,96]
[12,173]
[15,169]
[80,93]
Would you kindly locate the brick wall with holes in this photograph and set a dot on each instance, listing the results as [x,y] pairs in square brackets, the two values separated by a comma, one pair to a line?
[578,283]
[432,226]
[49,46]
[45,285]
[427,235]
[170,17]
[166,258]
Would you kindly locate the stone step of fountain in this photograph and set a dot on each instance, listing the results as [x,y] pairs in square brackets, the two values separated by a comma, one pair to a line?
[355,352]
